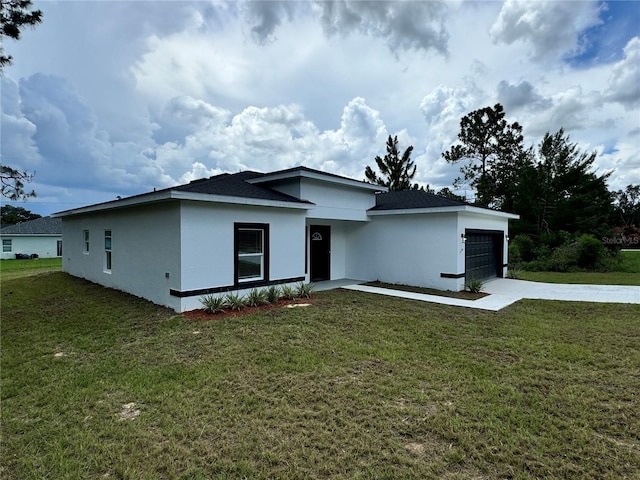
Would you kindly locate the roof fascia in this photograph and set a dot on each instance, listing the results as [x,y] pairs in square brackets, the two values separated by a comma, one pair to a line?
[267,178]
[207,197]
[452,209]
[178,195]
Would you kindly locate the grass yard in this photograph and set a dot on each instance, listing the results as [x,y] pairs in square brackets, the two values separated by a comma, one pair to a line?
[628,274]
[19,268]
[98,384]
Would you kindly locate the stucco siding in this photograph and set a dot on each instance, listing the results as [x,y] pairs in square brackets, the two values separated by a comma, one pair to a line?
[336,202]
[407,249]
[42,245]
[145,249]
[207,239]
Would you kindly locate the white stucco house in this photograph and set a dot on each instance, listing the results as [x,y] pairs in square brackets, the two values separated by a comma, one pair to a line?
[41,237]
[249,230]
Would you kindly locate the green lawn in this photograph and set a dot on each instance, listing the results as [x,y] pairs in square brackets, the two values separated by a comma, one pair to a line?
[628,274]
[354,386]
[19,268]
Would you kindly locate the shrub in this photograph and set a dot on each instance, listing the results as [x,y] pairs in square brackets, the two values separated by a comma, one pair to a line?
[288,292]
[474,285]
[303,290]
[273,294]
[591,252]
[256,297]
[235,301]
[212,303]
[522,247]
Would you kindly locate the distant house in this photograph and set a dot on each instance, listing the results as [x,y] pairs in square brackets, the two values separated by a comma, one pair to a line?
[250,230]
[42,237]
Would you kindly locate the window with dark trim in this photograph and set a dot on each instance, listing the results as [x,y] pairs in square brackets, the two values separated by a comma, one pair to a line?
[85,238]
[7,245]
[107,251]
[251,245]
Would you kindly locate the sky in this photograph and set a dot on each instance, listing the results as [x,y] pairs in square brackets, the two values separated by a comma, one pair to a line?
[110,98]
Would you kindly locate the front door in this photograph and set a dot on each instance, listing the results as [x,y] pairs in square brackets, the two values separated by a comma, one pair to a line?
[320,238]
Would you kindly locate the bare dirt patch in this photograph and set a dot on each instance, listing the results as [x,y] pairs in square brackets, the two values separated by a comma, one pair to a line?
[129,411]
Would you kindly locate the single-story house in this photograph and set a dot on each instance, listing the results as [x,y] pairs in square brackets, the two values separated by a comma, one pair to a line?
[41,237]
[235,232]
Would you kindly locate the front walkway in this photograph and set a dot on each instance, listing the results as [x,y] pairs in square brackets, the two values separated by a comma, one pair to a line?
[504,292]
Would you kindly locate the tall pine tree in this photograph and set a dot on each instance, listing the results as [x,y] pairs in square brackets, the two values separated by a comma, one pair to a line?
[492,152]
[396,172]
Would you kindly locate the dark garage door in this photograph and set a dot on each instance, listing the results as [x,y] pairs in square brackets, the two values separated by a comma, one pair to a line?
[483,255]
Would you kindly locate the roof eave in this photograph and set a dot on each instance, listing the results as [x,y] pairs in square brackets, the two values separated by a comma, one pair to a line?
[179,195]
[451,209]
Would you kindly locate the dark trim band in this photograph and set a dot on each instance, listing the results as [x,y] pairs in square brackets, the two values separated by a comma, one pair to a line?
[230,288]
[452,275]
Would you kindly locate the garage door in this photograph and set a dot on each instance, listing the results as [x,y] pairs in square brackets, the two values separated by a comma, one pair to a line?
[483,255]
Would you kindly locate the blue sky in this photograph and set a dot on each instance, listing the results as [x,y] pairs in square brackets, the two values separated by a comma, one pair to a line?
[111,99]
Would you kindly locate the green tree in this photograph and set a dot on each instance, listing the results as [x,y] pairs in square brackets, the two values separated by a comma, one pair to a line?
[13,181]
[562,191]
[627,205]
[10,215]
[15,15]
[492,152]
[396,172]
[447,193]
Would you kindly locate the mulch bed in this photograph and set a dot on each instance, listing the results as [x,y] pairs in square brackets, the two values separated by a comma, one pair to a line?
[464,294]
[200,314]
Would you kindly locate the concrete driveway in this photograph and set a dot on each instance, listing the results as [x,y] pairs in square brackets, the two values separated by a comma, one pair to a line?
[563,291]
[504,292]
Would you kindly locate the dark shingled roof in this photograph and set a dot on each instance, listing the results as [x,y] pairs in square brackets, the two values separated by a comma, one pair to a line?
[236,185]
[39,226]
[408,199]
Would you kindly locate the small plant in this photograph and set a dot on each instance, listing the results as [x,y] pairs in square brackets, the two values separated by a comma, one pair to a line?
[303,290]
[235,301]
[288,292]
[514,272]
[475,285]
[256,298]
[273,294]
[212,303]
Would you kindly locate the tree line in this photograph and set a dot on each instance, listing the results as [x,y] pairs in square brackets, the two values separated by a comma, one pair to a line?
[553,186]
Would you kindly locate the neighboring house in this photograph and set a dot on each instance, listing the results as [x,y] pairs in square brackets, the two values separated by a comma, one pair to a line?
[250,230]
[41,237]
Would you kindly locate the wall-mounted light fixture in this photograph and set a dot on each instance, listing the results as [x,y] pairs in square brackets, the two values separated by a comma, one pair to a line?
[506,236]
[463,237]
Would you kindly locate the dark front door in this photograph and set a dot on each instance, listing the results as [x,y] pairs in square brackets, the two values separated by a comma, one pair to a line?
[320,239]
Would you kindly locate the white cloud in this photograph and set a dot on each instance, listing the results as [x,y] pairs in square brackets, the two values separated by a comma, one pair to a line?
[551,28]
[19,150]
[624,82]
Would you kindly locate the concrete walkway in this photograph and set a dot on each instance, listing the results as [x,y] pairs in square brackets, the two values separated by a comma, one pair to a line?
[504,292]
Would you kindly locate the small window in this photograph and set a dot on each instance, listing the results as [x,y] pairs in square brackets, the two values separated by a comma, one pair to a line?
[251,260]
[7,245]
[59,248]
[107,250]
[85,236]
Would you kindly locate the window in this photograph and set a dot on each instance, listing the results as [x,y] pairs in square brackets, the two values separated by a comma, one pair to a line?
[107,250]
[85,236]
[251,252]
[7,245]
[59,248]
